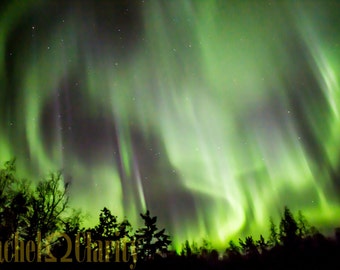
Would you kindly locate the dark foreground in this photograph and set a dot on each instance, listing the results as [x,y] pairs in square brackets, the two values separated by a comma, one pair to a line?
[327,258]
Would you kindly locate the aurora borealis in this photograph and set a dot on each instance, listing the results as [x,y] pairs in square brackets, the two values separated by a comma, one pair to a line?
[211,114]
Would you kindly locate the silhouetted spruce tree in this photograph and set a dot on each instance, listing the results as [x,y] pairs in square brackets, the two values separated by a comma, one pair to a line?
[186,249]
[150,240]
[233,251]
[288,228]
[273,234]
[110,229]
[107,229]
[304,229]
[249,247]
[190,250]
[262,244]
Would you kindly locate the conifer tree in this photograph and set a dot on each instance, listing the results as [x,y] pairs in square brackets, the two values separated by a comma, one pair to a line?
[288,228]
[274,235]
[149,239]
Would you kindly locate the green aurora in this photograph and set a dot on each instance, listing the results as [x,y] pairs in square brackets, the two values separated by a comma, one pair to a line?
[211,114]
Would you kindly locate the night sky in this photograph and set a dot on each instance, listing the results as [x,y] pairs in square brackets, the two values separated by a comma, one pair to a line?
[211,114]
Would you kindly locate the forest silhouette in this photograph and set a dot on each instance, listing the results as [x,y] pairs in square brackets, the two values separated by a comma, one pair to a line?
[31,216]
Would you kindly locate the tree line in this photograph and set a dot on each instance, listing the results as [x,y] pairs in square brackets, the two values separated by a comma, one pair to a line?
[30,212]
